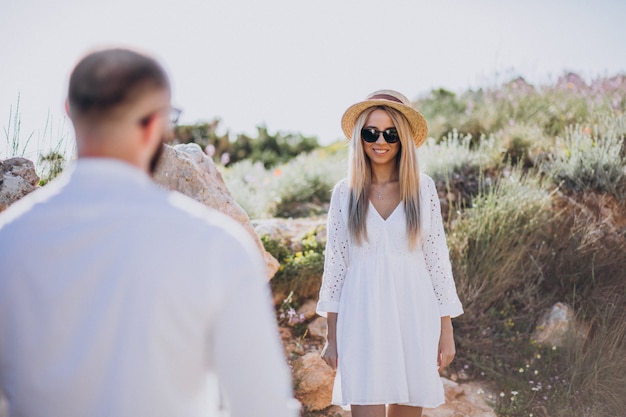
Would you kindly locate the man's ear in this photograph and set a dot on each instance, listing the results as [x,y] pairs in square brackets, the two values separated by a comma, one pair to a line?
[67,109]
[151,131]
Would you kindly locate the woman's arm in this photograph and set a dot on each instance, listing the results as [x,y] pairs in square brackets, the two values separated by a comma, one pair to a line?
[436,254]
[329,352]
[446,349]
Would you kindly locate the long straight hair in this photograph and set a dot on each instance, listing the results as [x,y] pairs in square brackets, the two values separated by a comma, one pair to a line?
[360,178]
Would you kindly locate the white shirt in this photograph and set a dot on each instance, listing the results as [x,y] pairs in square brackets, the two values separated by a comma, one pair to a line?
[118,298]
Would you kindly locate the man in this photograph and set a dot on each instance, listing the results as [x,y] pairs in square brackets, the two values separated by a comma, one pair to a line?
[120,299]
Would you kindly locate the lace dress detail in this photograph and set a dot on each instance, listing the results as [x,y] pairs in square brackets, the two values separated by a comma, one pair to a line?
[436,254]
[336,253]
[389,301]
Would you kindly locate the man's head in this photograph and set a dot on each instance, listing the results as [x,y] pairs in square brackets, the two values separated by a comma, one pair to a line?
[119,103]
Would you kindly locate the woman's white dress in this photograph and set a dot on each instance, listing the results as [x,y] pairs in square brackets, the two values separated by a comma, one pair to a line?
[389,301]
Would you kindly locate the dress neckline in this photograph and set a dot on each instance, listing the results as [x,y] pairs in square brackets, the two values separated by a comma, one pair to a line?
[384,219]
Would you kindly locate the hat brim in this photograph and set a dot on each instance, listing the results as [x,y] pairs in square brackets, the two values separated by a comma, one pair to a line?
[417,122]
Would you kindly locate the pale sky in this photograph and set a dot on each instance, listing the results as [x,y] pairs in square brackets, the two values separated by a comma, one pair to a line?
[295,65]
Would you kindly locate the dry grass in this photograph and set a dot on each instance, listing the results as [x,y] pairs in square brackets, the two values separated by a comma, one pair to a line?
[494,244]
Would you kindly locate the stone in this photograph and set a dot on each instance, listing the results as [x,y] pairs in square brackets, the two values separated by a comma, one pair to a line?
[307,310]
[317,328]
[291,231]
[337,411]
[314,381]
[187,169]
[17,179]
[462,400]
[556,324]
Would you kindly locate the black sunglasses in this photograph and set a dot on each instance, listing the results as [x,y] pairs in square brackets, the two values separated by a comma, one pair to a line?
[370,134]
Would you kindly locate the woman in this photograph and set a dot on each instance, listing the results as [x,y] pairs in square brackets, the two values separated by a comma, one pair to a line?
[387,289]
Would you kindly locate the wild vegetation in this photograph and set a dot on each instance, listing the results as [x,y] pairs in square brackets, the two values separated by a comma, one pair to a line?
[49,150]
[532,181]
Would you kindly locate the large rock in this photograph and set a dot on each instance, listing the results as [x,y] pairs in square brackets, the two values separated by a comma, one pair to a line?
[17,178]
[318,328]
[556,324]
[187,169]
[466,400]
[314,381]
[291,231]
[307,310]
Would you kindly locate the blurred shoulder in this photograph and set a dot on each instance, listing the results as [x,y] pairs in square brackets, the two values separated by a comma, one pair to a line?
[196,216]
[342,186]
[427,184]
[426,179]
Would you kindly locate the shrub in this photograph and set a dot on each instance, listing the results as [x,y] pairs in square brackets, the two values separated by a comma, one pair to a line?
[521,143]
[591,159]
[456,152]
[300,272]
[494,243]
[298,188]
[597,365]
[550,107]
[268,149]
[495,248]
[251,185]
[549,247]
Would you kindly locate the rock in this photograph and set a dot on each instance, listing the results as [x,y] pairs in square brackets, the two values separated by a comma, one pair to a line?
[307,310]
[187,169]
[317,328]
[466,400]
[336,411]
[17,178]
[556,324]
[291,231]
[314,381]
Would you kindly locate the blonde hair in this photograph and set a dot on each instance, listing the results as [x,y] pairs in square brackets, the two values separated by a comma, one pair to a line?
[360,178]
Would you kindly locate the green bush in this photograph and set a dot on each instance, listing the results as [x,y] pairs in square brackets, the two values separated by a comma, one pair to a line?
[268,149]
[456,152]
[300,272]
[552,108]
[515,252]
[299,188]
[591,159]
[493,243]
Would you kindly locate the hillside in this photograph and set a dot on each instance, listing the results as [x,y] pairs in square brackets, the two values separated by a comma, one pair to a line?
[532,181]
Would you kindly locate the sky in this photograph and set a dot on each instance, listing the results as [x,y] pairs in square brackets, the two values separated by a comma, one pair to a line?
[296,65]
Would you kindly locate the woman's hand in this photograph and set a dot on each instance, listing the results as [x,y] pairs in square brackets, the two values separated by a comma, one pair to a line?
[446,344]
[329,353]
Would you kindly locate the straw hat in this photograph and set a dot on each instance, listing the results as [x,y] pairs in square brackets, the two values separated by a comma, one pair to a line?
[388,98]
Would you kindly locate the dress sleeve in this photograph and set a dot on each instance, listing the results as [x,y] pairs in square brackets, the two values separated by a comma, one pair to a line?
[336,253]
[436,254]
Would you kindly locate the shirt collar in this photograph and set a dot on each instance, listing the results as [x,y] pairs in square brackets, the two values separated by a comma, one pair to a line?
[113,169]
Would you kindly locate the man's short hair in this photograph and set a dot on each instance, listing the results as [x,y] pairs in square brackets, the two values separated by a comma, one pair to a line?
[104,81]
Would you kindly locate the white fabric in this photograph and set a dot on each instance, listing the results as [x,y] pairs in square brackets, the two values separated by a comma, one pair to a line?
[389,301]
[118,298]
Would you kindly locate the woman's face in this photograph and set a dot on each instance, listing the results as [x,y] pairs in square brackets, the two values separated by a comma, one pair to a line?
[380,152]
